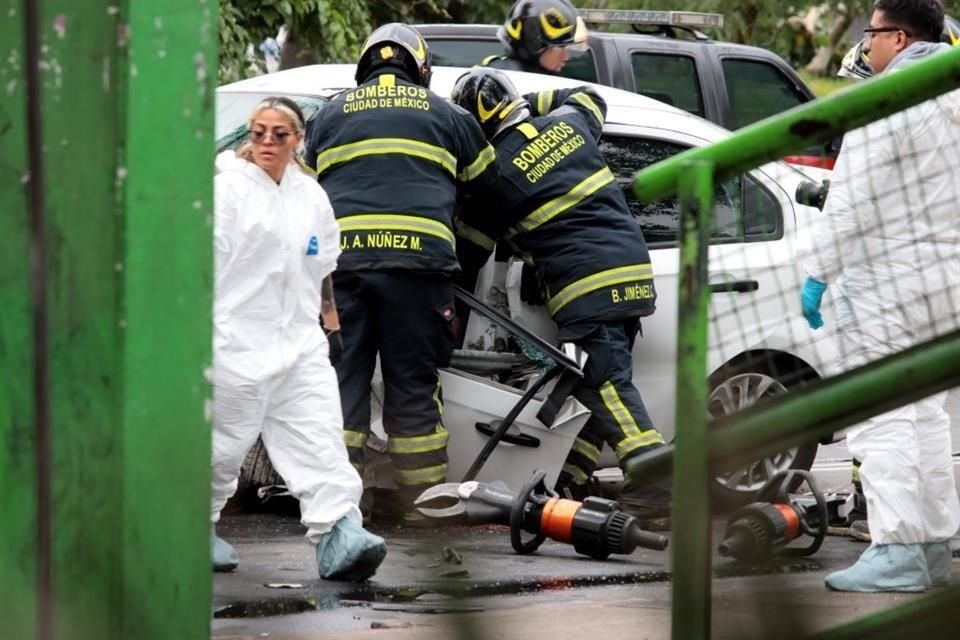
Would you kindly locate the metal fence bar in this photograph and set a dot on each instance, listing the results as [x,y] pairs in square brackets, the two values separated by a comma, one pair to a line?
[770,429]
[816,411]
[933,616]
[690,548]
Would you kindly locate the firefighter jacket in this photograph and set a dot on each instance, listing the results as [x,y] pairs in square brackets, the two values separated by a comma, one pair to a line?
[561,209]
[391,156]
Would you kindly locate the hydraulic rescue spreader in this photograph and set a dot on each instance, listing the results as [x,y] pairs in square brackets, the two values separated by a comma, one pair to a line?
[763,528]
[595,527]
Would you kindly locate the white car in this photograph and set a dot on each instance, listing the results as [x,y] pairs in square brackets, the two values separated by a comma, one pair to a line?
[759,344]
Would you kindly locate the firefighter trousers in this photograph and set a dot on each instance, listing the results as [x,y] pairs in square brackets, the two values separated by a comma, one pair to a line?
[406,318]
[618,415]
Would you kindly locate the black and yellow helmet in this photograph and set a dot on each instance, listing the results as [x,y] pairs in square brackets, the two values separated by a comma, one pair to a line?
[951,31]
[855,64]
[491,98]
[396,44]
[534,25]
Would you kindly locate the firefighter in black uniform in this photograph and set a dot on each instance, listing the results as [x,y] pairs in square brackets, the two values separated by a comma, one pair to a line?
[559,206]
[537,36]
[392,156]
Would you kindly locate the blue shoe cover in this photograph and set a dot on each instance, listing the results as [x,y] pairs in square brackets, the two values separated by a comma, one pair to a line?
[884,567]
[225,557]
[938,562]
[350,553]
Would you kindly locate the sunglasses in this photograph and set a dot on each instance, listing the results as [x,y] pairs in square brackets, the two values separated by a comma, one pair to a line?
[868,33]
[259,136]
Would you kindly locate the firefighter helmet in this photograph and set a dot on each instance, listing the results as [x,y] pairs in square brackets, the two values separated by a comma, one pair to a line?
[855,64]
[534,25]
[491,98]
[951,31]
[399,45]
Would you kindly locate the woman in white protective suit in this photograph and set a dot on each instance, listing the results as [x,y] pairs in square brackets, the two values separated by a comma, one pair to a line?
[276,243]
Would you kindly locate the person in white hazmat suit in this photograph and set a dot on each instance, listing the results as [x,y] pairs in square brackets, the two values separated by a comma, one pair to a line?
[276,244]
[889,242]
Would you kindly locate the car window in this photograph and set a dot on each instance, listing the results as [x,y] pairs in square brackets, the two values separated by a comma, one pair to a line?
[668,78]
[449,52]
[757,90]
[744,211]
[462,53]
[581,66]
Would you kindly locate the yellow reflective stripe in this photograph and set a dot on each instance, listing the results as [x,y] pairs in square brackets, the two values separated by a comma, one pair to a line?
[579,475]
[478,166]
[396,222]
[419,444]
[387,146]
[528,130]
[586,449]
[856,473]
[475,236]
[628,445]
[354,438]
[544,102]
[555,207]
[591,106]
[598,280]
[619,411]
[427,475]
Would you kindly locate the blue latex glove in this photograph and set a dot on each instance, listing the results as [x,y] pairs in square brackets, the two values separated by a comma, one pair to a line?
[810,296]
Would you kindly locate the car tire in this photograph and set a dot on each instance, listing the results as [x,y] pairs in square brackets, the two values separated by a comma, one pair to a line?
[257,471]
[733,391]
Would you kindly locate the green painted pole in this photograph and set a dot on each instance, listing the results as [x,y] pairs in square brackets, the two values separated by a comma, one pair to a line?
[166,276]
[18,445]
[690,544]
[819,409]
[106,132]
[814,122]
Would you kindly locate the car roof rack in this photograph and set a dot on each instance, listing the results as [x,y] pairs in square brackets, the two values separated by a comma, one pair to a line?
[663,22]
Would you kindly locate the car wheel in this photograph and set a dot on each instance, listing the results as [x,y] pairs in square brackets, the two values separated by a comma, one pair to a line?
[257,471]
[731,394]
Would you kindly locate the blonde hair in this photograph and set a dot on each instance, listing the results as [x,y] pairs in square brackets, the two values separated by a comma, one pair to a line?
[284,105]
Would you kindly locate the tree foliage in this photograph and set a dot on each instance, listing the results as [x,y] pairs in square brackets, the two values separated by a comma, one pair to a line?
[334,30]
[327,30]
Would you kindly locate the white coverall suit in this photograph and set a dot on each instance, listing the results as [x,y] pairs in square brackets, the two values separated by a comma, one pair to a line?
[890,240]
[274,244]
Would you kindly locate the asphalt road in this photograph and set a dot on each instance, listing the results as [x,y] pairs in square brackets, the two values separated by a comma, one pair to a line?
[494,594]
[487,592]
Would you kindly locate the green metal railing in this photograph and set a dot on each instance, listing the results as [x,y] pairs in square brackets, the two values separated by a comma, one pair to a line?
[105,333]
[702,448]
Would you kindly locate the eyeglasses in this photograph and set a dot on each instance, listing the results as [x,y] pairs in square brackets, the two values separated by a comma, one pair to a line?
[259,136]
[869,32]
